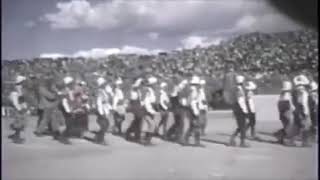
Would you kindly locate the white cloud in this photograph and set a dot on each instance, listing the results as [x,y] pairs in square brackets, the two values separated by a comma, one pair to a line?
[104,52]
[96,53]
[153,35]
[194,41]
[155,15]
[266,23]
[52,55]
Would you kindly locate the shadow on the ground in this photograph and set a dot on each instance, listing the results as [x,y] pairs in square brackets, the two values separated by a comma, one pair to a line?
[252,139]
[214,141]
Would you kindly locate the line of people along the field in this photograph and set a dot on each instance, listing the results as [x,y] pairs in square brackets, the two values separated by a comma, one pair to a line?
[64,111]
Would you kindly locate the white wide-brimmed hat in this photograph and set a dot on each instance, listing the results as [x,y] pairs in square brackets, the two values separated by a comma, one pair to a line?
[195,80]
[313,86]
[152,80]
[100,81]
[251,85]
[108,89]
[183,83]
[83,83]
[137,83]
[119,81]
[67,80]
[163,84]
[301,80]
[286,86]
[239,79]
[20,79]
[202,82]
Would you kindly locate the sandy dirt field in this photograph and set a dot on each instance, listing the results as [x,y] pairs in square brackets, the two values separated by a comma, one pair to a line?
[42,158]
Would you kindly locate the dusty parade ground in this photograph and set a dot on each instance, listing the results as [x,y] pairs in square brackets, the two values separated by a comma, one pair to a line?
[43,158]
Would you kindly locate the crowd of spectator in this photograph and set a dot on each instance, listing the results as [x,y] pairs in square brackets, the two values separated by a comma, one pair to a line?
[265,58]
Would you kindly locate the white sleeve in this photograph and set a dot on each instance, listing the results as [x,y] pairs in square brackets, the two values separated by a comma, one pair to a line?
[305,103]
[70,94]
[175,91]
[15,101]
[251,104]
[194,100]
[121,97]
[242,104]
[149,106]
[65,105]
[100,105]
[133,95]
[201,99]
[194,107]
[163,100]
[118,96]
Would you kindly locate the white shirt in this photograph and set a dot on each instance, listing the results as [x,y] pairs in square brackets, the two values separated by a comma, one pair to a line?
[14,97]
[118,96]
[164,99]
[202,99]
[103,102]
[250,101]
[149,100]
[303,100]
[134,95]
[241,99]
[65,101]
[285,96]
[314,96]
[194,100]
[175,91]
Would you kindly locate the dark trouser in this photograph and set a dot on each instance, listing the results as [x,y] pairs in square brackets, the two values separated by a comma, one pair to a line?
[78,124]
[252,123]
[135,127]
[195,128]
[172,131]
[301,126]
[148,127]
[163,122]
[45,118]
[40,116]
[136,124]
[103,123]
[19,123]
[314,122]
[203,121]
[58,121]
[181,124]
[285,116]
[240,117]
[118,119]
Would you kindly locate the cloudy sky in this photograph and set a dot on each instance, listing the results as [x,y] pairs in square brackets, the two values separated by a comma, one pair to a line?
[33,28]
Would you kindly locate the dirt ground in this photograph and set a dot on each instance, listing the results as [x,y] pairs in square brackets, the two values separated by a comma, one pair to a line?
[42,158]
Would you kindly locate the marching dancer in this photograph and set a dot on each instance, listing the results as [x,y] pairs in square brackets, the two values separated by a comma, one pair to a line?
[302,121]
[194,124]
[148,102]
[118,106]
[164,106]
[104,107]
[285,108]
[19,104]
[137,110]
[250,87]
[203,105]
[240,111]
[314,108]
[178,100]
